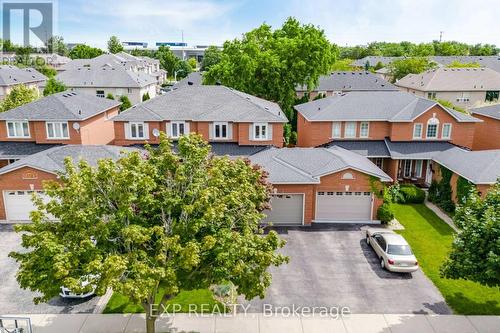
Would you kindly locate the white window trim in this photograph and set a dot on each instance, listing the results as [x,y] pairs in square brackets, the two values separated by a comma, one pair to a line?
[449,132]
[367,130]
[421,130]
[143,131]
[339,125]
[172,129]
[227,130]
[266,125]
[404,168]
[58,123]
[432,121]
[18,136]
[418,171]
[355,129]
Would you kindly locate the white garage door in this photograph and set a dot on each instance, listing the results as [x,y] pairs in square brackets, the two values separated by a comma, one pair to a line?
[287,209]
[18,205]
[343,206]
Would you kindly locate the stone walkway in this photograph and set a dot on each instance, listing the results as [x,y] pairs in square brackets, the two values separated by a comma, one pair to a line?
[259,323]
[442,215]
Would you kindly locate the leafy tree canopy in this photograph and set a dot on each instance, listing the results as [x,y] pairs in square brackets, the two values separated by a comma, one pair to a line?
[450,105]
[192,63]
[458,64]
[114,45]
[342,65]
[55,44]
[83,51]
[270,64]
[53,86]
[212,57]
[475,253]
[152,220]
[126,104]
[19,95]
[399,68]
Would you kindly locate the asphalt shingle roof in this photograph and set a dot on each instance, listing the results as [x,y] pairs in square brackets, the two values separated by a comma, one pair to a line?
[231,149]
[393,106]
[479,167]
[425,150]
[351,81]
[61,106]
[307,165]
[52,159]
[11,75]
[367,148]
[105,76]
[16,150]
[492,111]
[196,78]
[205,103]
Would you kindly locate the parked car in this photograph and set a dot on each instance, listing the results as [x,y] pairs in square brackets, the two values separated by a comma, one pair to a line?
[67,293]
[393,251]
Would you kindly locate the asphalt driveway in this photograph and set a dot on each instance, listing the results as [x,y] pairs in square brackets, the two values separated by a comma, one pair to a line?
[333,266]
[14,300]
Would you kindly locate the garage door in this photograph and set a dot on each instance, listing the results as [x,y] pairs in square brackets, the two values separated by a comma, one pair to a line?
[18,205]
[287,209]
[343,206]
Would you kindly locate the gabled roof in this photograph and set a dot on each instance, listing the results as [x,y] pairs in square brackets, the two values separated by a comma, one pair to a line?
[351,81]
[105,76]
[479,167]
[19,149]
[392,106]
[12,75]
[61,106]
[52,159]
[205,103]
[452,79]
[492,111]
[308,165]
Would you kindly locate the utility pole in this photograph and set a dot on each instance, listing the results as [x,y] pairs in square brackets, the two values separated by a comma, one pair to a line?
[441,36]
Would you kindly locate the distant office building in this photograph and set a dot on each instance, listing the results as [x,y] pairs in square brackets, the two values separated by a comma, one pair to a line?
[135,45]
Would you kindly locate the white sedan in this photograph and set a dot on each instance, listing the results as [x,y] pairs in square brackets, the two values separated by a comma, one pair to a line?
[393,251]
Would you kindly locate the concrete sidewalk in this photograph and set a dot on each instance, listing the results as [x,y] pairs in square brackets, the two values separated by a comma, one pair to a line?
[258,323]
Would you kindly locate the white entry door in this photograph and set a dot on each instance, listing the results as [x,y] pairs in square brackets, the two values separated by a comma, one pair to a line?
[18,205]
[286,209]
[343,207]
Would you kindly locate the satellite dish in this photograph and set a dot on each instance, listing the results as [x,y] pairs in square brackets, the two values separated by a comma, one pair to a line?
[156,132]
[76,126]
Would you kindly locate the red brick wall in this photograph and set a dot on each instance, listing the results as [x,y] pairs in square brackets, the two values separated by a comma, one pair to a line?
[98,130]
[486,134]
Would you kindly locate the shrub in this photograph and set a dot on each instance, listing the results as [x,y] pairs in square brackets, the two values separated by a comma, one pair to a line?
[433,191]
[412,194]
[385,213]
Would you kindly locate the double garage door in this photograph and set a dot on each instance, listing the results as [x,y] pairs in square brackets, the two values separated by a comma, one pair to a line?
[343,206]
[18,204]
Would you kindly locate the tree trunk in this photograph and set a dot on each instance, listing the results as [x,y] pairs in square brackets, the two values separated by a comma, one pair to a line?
[150,320]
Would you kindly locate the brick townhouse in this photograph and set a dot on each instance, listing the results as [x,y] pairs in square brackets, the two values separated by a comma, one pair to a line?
[487,134]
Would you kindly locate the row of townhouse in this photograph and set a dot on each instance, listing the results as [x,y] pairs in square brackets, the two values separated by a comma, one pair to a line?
[12,76]
[346,141]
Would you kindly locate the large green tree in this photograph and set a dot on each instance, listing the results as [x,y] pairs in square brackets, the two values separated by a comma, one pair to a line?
[212,57]
[399,68]
[53,86]
[271,64]
[83,51]
[475,253]
[114,45]
[55,44]
[151,221]
[19,95]
[174,66]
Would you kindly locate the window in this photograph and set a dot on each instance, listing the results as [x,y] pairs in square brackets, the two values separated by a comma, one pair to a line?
[336,129]
[57,130]
[463,97]
[363,129]
[407,168]
[492,96]
[260,131]
[431,95]
[137,131]
[350,129]
[418,168]
[178,129]
[446,133]
[220,131]
[347,175]
[379,162]
[99,93]
[417,131]
[18,129]
[432,128]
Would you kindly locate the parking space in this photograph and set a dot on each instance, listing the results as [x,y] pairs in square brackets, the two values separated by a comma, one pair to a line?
[333,266]
[14,300]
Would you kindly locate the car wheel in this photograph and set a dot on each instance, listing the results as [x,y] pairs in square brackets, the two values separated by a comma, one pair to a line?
[367,239]
[382,263]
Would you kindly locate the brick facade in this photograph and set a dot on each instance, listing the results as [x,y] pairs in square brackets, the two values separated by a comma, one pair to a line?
[487,133]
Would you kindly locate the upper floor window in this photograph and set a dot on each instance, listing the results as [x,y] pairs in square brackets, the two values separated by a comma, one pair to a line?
[138,131]
[364,129]
[492,96]
[336,130]
[431,95]
[18,129]
[178,128]
[417,131]
[432,128]
[260,132]
[446,132]
[350,129]
[221,130]
[57,130]
[463,97]
[99,93]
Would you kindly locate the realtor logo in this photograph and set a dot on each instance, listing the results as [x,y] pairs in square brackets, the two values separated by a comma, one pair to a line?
[36,17]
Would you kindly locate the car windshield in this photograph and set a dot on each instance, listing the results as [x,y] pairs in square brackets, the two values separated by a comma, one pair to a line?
[400,250]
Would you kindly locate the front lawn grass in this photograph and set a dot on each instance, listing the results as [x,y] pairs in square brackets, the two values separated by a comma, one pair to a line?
[201,301]
[431,239]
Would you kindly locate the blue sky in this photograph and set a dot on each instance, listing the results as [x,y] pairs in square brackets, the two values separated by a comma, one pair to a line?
[213,21]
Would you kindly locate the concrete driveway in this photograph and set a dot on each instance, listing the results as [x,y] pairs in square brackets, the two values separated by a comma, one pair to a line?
[333,266]
[14,300]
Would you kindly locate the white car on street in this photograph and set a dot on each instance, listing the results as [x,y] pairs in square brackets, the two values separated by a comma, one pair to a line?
[392,250]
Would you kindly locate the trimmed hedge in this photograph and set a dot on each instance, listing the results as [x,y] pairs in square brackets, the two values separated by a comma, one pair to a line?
[412,194]
[385,213]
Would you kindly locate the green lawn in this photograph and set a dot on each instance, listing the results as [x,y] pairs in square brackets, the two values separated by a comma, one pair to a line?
[202,301]
[431,238]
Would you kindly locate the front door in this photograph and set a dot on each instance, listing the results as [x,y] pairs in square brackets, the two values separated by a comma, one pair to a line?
[428,173]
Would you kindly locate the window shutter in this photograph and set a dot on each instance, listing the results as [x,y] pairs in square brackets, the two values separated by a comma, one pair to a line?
[230,130]
[168,129]
[211,131]
[127,130]
[269,131]
[250,131]
[186,128]
[146,131]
